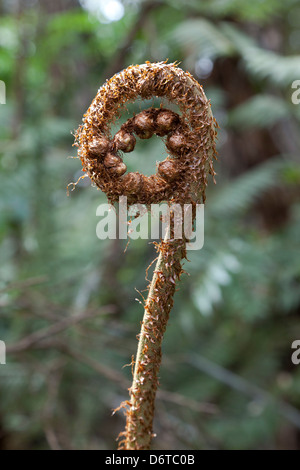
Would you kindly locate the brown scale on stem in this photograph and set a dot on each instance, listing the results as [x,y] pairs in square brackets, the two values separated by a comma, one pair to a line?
[181,178]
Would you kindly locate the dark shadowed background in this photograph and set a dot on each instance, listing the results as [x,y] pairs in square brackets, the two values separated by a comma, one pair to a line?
[70,310]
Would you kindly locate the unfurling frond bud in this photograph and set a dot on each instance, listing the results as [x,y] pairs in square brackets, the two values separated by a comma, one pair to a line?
[143,125]
[165,122]
[169,170]
[124,141]
[99,146]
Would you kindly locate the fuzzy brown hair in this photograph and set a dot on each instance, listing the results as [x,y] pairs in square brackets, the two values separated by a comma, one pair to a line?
[180,178]
[190,137]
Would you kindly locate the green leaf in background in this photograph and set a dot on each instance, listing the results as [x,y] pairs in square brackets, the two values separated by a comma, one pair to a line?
[227,380]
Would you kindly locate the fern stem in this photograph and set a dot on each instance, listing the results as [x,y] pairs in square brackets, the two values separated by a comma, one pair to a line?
[158,305]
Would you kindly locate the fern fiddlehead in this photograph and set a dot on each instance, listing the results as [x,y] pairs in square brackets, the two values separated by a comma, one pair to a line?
[181,178]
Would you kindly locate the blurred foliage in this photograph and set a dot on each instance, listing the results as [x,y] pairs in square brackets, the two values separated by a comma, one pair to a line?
[227,380]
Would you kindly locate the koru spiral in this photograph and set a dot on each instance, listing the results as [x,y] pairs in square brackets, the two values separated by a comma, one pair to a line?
[181,178]
[189,137]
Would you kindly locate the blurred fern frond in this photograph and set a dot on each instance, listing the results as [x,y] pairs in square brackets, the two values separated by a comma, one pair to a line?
[263,64]
[256,10]
[260,111]
[245,190]
[203,37]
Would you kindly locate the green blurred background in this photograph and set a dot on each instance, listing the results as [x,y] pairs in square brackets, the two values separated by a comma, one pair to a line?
[70,310]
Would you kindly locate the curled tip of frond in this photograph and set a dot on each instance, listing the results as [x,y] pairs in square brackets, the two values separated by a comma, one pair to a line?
[189,137]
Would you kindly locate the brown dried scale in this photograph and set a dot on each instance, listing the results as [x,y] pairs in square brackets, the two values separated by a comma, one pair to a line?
[152,185]
[133,183]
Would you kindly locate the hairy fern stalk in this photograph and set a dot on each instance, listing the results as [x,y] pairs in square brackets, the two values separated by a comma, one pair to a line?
[181,178]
